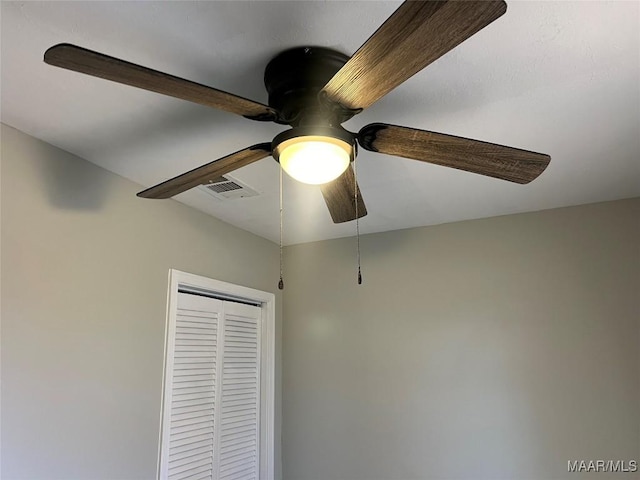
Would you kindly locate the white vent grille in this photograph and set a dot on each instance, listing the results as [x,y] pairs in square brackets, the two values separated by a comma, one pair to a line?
[227,188]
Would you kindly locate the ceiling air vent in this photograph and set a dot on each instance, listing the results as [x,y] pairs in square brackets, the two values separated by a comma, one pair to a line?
[227,188]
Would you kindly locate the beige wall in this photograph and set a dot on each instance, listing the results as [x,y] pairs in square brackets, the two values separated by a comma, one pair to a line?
[84,282]
[498,348]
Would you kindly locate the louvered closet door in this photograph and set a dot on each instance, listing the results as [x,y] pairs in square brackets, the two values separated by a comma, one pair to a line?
[190,399]
[211,421]
[239,395]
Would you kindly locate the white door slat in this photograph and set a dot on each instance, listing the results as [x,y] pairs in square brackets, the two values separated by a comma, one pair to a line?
[191,440]
[230,433]
[244,460]
[241,332]
[196,467]
[186,351]
[239,409]
[248,440]
[231,319]
[235,387]
[192,403]
[195,336]
[240,368]
[242,321]
[197,389]
[189,459]
[194,432]
[204,320]
[239,450]
[238,470]
[232,426]
[229,349]
[203,364]
[231,339]
[243,416]
[232,362]
[201,476]
[195,316]
[234,393]
[232,380]
[233,330]
[192,375]
[231,377]
[206,367]
[204,444]
[176,412]
[233,334]
[182,329]
[191,421]
[240,402]
[193,396]
[195,410]
[193,475]
[227,416]
[194,383]
[240,363]
[241,348]
[197,342]
[209,331]
[196,428]
[197,406]
[196,322]
[197,350]
[190,452]
[209,410]
[241,476]
[211,346]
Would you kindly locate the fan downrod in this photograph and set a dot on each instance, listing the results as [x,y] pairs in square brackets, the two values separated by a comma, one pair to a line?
[294,79]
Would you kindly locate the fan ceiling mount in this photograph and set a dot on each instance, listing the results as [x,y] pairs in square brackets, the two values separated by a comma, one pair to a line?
[314,90]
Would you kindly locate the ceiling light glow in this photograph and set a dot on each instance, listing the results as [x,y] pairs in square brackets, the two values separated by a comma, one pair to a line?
[314,159]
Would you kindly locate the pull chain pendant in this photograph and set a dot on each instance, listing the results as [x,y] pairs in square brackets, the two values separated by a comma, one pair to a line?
[355,198]
[281,282]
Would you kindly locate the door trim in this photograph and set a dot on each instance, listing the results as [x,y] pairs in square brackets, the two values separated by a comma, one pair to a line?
[266,301]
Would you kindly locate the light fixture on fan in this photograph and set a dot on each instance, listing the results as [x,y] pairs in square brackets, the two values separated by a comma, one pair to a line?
[314,155]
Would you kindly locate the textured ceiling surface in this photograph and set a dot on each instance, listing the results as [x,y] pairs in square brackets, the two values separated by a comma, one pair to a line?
[561,78]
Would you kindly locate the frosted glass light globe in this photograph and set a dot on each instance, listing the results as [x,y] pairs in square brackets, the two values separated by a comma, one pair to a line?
[314,159]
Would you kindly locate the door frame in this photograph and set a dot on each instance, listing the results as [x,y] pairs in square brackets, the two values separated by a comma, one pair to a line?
[179,280]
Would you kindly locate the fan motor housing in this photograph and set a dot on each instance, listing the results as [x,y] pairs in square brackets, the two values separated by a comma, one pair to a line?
[295,77]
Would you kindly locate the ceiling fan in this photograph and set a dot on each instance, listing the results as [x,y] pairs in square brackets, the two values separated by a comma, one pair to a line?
[314,90]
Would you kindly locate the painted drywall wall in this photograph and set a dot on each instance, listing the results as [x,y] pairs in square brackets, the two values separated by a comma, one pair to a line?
[490,349]
[84,270]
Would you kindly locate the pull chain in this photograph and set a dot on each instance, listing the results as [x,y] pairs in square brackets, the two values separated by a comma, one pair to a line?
[355,198]
[281,282]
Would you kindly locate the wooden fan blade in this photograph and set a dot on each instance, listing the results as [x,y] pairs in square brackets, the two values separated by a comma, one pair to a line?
[506,163]
[96,64]
[210,171]
[414,36]
[339,197]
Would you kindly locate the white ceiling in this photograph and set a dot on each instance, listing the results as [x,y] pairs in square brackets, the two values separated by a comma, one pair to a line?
[561,78]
